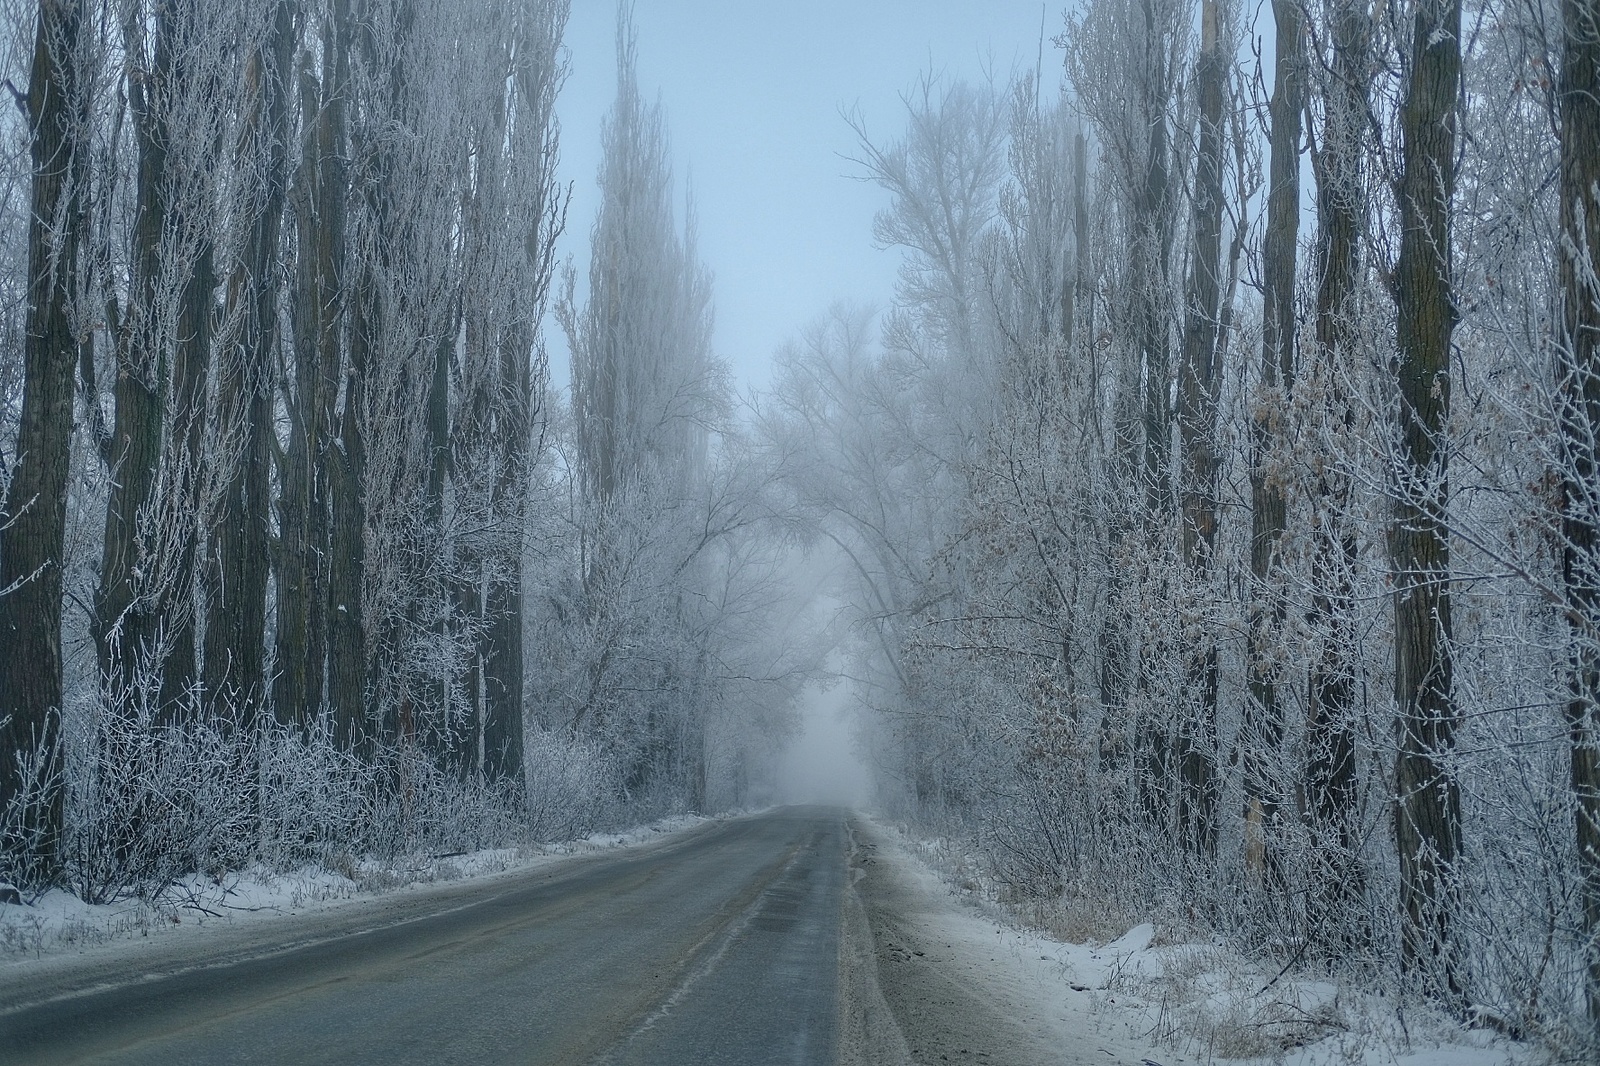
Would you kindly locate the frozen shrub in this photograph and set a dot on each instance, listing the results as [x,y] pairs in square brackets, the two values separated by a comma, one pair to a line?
[572,786]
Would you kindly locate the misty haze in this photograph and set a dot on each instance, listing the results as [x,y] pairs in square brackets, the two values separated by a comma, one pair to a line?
[583,532]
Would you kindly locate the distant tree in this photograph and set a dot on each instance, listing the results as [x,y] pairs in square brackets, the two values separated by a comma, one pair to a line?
[943,176]
[645,394]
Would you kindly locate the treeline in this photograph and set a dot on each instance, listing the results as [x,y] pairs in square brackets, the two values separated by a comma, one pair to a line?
[296,540]
[1236,556]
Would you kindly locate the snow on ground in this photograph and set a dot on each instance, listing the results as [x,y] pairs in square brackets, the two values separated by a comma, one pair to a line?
[1197,1002]
[59,922]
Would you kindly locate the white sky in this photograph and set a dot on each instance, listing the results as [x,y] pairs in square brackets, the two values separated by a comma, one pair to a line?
[753,92]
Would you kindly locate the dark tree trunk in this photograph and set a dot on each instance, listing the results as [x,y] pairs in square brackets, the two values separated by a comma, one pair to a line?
[33,521]
[465,725]
[1428,800]
[1151,251]
[1149,258]
[1083,292]
[442,716]
[501,651]
[302,596]
[1263,728]
[501,656]
[182,472]
[1329,779]
[1579,95]
[347,466]
[235,644]
[1197,422]
[128,618]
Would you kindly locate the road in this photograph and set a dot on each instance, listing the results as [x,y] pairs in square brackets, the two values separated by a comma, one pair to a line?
[802,936]
[717,946]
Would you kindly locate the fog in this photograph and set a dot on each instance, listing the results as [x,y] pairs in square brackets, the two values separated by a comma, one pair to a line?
[823,763]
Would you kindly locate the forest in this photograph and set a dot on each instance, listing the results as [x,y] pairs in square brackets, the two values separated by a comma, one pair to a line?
[1211,521]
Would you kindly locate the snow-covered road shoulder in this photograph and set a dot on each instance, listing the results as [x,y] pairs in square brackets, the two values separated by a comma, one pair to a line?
[953,965]
[965,986]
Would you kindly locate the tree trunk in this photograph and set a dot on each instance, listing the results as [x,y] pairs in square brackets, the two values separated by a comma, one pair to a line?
[501,652]
[182,469]
[1197,418]
[1263,728]
[1579,397]
[347,467]
[235,644]
[1428,801]
[501,656]
[302,599]
[33,520]
[1151,252]
[1083,292]
[1329,777]
[128,625]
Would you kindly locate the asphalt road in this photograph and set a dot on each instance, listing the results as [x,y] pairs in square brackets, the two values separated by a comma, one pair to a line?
[721,945]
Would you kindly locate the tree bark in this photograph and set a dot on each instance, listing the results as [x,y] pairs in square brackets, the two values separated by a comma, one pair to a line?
[33,519]
[1428,801]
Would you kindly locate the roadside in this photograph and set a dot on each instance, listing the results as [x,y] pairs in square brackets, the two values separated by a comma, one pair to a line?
[954,965]
[964,987]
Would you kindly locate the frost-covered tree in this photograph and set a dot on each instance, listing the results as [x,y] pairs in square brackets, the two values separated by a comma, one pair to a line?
[644,396]
[299,253]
